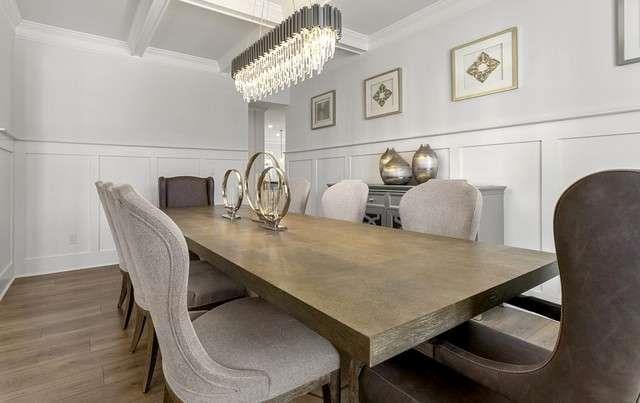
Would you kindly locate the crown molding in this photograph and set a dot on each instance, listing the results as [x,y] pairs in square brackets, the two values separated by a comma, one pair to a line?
[50,35]
[423,19]
[10,9]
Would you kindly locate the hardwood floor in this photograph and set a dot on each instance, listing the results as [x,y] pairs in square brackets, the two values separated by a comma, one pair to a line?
[61,340]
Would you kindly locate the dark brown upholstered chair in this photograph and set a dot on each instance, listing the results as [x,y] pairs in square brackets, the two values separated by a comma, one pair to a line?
[596,358]
[185,191]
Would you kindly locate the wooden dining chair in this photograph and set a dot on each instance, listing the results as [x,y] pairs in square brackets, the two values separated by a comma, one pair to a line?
[596,358]
[126,288]
[346,200]
[246,350]
[300,191]
[207,288]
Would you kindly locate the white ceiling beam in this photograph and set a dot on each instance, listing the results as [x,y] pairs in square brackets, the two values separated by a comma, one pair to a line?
[268,14]
[145,23]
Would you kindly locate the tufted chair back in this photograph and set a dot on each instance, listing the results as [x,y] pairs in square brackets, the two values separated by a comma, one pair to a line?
[346,200]
[442,207]
[161,258]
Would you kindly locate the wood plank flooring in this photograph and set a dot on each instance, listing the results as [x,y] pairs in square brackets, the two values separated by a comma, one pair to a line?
[61,340]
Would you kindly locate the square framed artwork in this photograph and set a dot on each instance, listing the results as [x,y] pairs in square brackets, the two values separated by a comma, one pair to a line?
[628,31]
[383,94]
[323,110]
[485,66]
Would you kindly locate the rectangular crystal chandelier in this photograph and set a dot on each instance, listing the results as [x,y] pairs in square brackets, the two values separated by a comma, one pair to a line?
[294,50]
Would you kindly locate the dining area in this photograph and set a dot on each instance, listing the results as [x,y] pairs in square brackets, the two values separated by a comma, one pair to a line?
[242,309]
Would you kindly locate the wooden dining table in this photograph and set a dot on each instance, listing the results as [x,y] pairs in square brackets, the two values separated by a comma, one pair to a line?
[373,292]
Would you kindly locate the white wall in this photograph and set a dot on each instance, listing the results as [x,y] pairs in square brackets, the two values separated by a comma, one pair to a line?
[575,112]
[6,58]
[88,113]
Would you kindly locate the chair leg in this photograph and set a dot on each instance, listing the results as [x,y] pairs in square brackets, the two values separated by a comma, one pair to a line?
[140,320]
[129,308]
[331,391]
[123,290]
[152,355]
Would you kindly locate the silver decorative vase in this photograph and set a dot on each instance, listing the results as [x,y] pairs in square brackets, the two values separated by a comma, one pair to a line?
[394,170]
[425,164]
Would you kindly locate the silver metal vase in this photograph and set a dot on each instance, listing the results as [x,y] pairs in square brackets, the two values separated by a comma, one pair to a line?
[425,164]
[394,170]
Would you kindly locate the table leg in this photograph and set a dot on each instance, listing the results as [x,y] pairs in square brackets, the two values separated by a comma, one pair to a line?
[353,375]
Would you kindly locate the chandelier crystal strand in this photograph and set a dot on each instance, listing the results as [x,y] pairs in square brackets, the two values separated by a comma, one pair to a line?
[292,52]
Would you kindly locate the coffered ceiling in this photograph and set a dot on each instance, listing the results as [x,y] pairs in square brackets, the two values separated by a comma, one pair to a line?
[208,29]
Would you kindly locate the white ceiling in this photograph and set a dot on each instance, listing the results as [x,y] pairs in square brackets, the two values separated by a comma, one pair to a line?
[199,32]
[215,29]
[110,18]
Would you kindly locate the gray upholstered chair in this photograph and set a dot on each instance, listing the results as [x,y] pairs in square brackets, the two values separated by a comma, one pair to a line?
[243,351]
[596,358]
[207,286]
[126,289]
[346,200]
[442,207]
[300,190]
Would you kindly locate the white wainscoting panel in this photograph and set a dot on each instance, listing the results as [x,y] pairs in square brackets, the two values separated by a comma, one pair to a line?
[6,215]
[64,225]
[216,168]
[516,166]
[178,167]
[60,197]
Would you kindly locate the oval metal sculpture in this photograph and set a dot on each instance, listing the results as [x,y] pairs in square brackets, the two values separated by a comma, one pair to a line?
[425,164]
[273,198]
[232,208]
[394,170]
[247,179]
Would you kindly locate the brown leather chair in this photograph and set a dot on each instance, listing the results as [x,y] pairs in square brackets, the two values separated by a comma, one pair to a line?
[596,358]
[185,191]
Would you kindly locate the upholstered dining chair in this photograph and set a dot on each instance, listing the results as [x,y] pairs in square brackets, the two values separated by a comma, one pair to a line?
[300,190]
[596,358]
[207,288]
[185,191]
[243,351]
[450,208]
[346,200]
[126,289]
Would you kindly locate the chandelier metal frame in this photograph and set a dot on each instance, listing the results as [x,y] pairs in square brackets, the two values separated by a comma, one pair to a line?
[305,20]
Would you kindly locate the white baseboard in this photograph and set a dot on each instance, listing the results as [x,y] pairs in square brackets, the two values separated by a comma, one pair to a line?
[56,264]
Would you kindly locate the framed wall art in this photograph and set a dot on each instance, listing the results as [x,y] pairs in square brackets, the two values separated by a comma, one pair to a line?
[628,31]
[485,66]
[383,94]
[323,110]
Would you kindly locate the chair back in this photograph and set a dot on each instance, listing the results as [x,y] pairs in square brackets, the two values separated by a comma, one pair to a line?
[346,200]
[125,246]
[300,190]
[161,257]
[451,208]
[597,236]
[185,191]
[101,189]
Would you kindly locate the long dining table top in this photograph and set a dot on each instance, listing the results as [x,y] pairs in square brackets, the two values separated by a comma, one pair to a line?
[373,292]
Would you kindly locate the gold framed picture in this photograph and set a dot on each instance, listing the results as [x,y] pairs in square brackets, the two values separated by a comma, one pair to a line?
[383,94]
[485,66]
[323,110]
